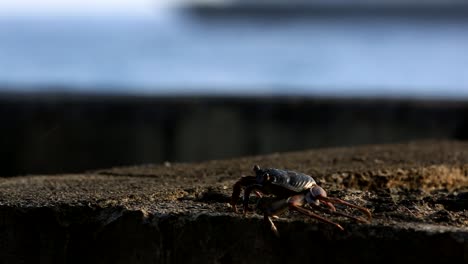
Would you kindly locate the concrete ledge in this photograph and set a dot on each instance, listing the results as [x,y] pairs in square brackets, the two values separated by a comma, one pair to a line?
[171,213]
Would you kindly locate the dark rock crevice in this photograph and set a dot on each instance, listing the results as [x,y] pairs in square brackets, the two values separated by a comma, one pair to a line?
[43,236]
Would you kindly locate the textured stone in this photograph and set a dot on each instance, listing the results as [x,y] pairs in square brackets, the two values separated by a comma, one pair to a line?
[173,213]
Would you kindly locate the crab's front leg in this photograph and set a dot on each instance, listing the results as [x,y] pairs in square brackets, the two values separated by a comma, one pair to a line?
[298,207]
[317,194]
[295,203]
[236,190]
[329,201]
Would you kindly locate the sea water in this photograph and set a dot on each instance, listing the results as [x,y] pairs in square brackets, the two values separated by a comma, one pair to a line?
[183,54]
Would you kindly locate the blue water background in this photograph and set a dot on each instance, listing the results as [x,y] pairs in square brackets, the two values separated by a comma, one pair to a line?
[172,53]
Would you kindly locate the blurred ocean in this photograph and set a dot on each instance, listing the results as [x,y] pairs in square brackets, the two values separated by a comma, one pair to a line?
[176,54]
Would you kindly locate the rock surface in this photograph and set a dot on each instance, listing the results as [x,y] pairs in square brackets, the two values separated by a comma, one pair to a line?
[174,213]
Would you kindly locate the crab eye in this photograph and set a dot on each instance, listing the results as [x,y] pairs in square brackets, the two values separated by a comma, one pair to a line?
[266,177]
[317,191]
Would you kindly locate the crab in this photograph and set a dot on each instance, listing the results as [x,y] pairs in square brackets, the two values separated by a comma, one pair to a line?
[292,190]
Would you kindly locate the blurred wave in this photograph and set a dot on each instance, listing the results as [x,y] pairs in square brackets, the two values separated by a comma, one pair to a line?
[175,53]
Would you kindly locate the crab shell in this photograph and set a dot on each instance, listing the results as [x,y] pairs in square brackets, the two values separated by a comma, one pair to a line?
[283,181]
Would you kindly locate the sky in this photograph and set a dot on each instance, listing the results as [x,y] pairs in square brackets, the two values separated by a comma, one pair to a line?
[79,7]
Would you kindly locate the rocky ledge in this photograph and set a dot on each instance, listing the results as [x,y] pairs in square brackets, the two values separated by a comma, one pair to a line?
[179,213]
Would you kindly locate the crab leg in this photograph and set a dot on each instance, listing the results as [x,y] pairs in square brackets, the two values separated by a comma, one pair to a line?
[331,211]
[267,220]
[313,215]
[247,191]
[293,203]
[236,190]
[329,200]
[272,210]
[356,218]
[296,203]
